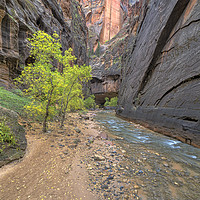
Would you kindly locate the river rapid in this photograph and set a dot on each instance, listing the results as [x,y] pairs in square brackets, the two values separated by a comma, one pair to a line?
[162,167]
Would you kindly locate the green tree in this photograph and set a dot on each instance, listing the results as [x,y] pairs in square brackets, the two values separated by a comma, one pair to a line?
[48,84]
[71,90]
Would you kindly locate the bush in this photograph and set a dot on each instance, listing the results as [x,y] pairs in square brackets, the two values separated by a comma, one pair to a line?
[107,102]
[90,102]
[6,136]
[112,102]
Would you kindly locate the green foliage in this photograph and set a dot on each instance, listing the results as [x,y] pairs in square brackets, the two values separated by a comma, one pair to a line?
[5,135]
[90,102]
[112,102]
[51,87]
[107,102]
[13,100]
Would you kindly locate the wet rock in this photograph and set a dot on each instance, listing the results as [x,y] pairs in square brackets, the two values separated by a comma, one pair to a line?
[76,141]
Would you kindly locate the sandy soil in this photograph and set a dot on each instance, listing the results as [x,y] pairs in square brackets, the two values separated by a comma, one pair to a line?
[52,167]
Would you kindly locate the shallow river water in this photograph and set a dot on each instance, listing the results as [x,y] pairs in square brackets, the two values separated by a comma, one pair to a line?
[162,167]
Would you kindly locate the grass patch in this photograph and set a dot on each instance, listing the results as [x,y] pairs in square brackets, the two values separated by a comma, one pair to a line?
[13,100]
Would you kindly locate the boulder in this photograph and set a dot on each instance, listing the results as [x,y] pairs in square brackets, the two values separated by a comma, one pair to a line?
[11,153]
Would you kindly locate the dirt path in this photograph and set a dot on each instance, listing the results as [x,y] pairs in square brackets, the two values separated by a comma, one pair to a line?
[52,167]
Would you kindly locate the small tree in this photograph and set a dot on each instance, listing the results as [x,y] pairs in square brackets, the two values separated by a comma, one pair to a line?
[45,83]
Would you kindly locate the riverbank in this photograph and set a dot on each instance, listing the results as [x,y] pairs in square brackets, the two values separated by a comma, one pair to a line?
[76,162]
[87,161]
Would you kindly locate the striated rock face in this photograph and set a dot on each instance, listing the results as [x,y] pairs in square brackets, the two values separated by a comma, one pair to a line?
[112,20]
[161,73]
[20,18]
[79,33]
[106,68]
[106,62]
[104,19]
[75,18]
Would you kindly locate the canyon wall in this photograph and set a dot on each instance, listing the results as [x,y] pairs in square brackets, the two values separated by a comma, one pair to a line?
[160,82]
[20,18]
[108,23]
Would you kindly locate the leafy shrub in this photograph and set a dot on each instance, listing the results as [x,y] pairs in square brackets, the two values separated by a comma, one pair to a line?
[5,135]
[112,102]
[107,102]
[90,102]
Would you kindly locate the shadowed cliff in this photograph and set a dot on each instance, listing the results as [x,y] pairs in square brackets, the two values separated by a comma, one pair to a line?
[160,76]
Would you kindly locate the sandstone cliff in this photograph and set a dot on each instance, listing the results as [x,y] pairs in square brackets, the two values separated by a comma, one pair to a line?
[160,84]
[108,23]
[20,18]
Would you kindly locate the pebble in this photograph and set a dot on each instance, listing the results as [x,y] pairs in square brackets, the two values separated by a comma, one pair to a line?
[166,165]
[104,186]
[77,130]
[65,152]
[110,177]
[98,158]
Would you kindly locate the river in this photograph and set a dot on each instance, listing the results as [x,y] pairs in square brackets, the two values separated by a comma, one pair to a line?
[164,168]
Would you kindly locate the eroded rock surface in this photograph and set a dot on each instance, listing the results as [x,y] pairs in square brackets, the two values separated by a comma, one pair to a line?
[20,18]
[160,76]
[107,41]
[10,153]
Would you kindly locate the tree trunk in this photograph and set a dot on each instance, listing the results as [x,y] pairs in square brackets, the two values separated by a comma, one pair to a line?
[62,120]
[63,116]
[47,112]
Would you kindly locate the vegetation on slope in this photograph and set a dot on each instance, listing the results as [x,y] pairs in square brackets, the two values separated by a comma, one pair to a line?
[13,100]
